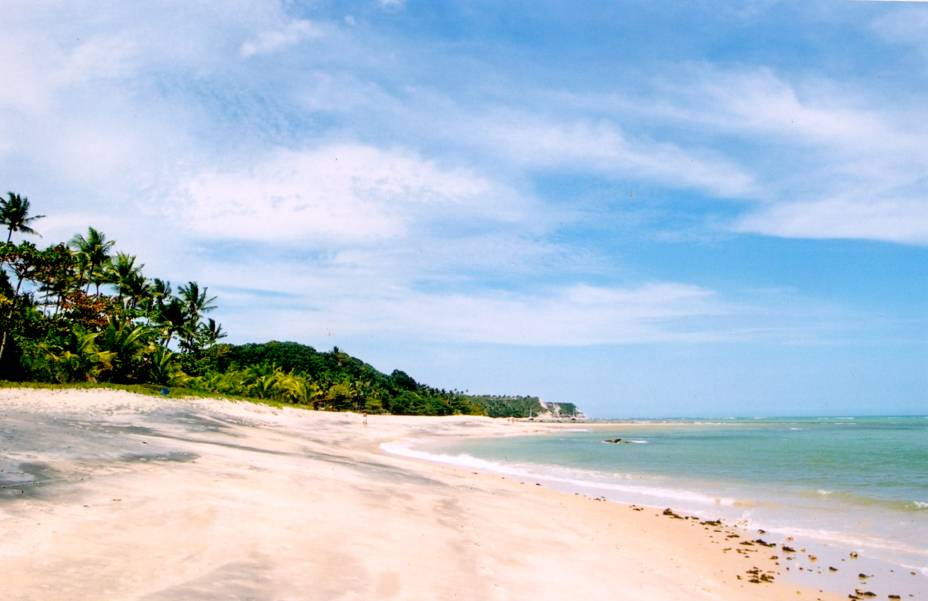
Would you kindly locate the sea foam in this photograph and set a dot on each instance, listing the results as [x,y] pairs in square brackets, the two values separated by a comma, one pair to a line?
[553,474]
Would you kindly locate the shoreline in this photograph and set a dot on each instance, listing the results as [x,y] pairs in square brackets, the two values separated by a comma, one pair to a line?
[821,560]
[128,497]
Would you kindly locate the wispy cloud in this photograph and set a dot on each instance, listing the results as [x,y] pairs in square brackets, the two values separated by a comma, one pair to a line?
[392,4]
[346,193]
[572,316]
[903,221]
[270,41]
[831,161]
[603,148]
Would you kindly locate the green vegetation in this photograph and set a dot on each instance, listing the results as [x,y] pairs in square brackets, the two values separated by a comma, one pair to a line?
[298,374]
[523,406]
[83,313]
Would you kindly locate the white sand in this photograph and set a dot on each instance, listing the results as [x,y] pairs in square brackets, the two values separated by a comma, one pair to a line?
[144,498]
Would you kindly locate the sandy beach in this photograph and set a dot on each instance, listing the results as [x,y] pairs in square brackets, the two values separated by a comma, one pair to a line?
[109,495]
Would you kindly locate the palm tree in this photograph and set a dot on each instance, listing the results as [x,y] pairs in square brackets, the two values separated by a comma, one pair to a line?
[14,214]
[159,293]
[93,253]
[211,332]
[170,315]
[129,344]
[128,279]
[137,289]
[196,302]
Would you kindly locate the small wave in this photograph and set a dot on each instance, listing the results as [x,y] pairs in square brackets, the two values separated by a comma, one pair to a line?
[464,460]
[861,500]
[852,541]
[797,429]
[638,441]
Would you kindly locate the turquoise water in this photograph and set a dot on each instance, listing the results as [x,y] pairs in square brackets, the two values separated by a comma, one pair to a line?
[852,482]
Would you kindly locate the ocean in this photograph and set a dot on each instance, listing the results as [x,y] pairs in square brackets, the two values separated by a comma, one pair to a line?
[843,483]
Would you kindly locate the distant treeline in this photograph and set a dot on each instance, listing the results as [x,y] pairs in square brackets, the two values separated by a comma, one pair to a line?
[333,380]
[80,311]
[496,405]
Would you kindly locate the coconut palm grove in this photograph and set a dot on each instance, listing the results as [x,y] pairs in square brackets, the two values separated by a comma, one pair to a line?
[84,311]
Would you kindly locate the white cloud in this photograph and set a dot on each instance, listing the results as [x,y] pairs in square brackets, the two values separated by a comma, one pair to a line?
[343,193]
[903,221]
[603,148]
[392,4]
[43,69]
[569,316]
[856,162]
[859,168]
[271,41]
[815,112]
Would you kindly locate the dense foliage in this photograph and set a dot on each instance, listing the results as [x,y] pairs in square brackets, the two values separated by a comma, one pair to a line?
[82,311]
[334,380]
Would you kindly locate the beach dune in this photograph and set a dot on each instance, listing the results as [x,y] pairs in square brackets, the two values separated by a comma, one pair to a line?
[110,495]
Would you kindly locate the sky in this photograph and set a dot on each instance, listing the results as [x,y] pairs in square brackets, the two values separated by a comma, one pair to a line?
[646,208]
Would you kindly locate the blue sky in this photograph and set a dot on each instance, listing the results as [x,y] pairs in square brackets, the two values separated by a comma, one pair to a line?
[670,208]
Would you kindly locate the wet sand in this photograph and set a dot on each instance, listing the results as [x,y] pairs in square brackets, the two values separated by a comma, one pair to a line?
[109,495]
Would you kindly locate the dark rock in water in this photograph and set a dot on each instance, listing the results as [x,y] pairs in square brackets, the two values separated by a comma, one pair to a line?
[615,441]
[670,512]
[711,522]
[861,593]
[788,549]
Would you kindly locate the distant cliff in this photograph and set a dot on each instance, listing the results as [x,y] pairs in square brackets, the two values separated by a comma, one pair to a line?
[525,407]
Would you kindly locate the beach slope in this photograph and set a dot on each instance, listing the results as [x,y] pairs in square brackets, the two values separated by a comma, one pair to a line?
[110,495]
